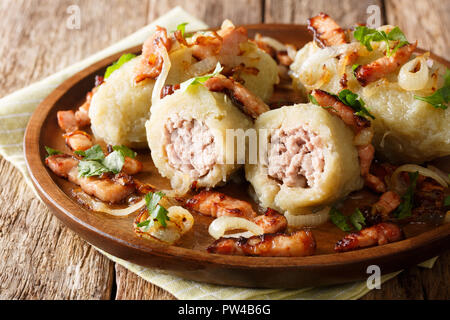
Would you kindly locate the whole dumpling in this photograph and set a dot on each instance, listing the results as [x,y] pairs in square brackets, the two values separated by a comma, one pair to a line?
[406,129]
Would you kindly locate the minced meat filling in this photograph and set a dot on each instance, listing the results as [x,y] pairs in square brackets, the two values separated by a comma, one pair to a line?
[295,157]
[190,146]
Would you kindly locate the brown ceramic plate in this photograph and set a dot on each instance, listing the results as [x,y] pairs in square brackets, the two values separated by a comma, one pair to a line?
[189,258]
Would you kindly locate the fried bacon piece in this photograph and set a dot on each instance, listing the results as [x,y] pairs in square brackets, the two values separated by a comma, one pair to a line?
[361,127]
[78,140]
[297,244]
[216,204]
[388,202]
[250,104]
[429,198]
[152,60]
[378,234]
[326,31]
[109,189]
[336,107]
[224,43]
[69,121]
[383,66]
[132,166]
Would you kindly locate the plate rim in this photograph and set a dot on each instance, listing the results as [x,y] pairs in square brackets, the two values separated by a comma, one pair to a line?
[54,198]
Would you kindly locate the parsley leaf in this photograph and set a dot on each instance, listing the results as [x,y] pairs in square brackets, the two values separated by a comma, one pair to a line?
[339,219]
[114,161]
[95,163]
[447,201]
[357,219]
[441,97]
[352,100]
[355,66]
[182,27]
[313,99]
[367,35]
[155,210]
[116,65]
[404,209]
[125,151]
[89,168]
[94,153]
[201,79]
[52,152]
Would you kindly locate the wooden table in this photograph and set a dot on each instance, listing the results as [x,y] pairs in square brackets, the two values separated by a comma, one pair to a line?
[42,259]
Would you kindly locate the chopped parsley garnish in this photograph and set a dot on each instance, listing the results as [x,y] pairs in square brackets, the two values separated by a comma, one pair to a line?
[127,152]
[52,152]
[352,100]
[201,79]
[355,66]
[94,153]
[441,97]
[339,219]
[366,35]
[90,168]
[313,99]
[182,27]
[357,219]
[447,201]
[404,209]
[116,65]
[155,210]
[94,162]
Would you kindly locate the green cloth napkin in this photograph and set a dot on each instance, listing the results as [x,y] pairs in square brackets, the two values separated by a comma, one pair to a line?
[15,111]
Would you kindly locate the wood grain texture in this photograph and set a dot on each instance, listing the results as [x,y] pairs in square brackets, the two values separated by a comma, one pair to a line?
[213,12]
[424,20]
[35,44]
[345,12]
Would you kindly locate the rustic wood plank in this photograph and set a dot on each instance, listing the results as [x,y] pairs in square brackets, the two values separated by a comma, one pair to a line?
[426,21]
[132,287]
[213,12]
[40,258]
[345,12]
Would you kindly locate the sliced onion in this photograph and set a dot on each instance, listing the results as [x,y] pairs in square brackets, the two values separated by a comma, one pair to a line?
[396,184]
[410,80]
[223,224]
[291,51]
[308,220]
[204,66]
[100,206]
[181,221]
[441,173]
[159,84]
[271,42]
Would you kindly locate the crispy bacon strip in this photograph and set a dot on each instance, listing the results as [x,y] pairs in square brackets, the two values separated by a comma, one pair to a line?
[388,202]
[297,244]
[216,204]
[326,31]
[383,66]
[336,107]
[250,104]
[152,61]
[69,120]
[378,234]
[109,189]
